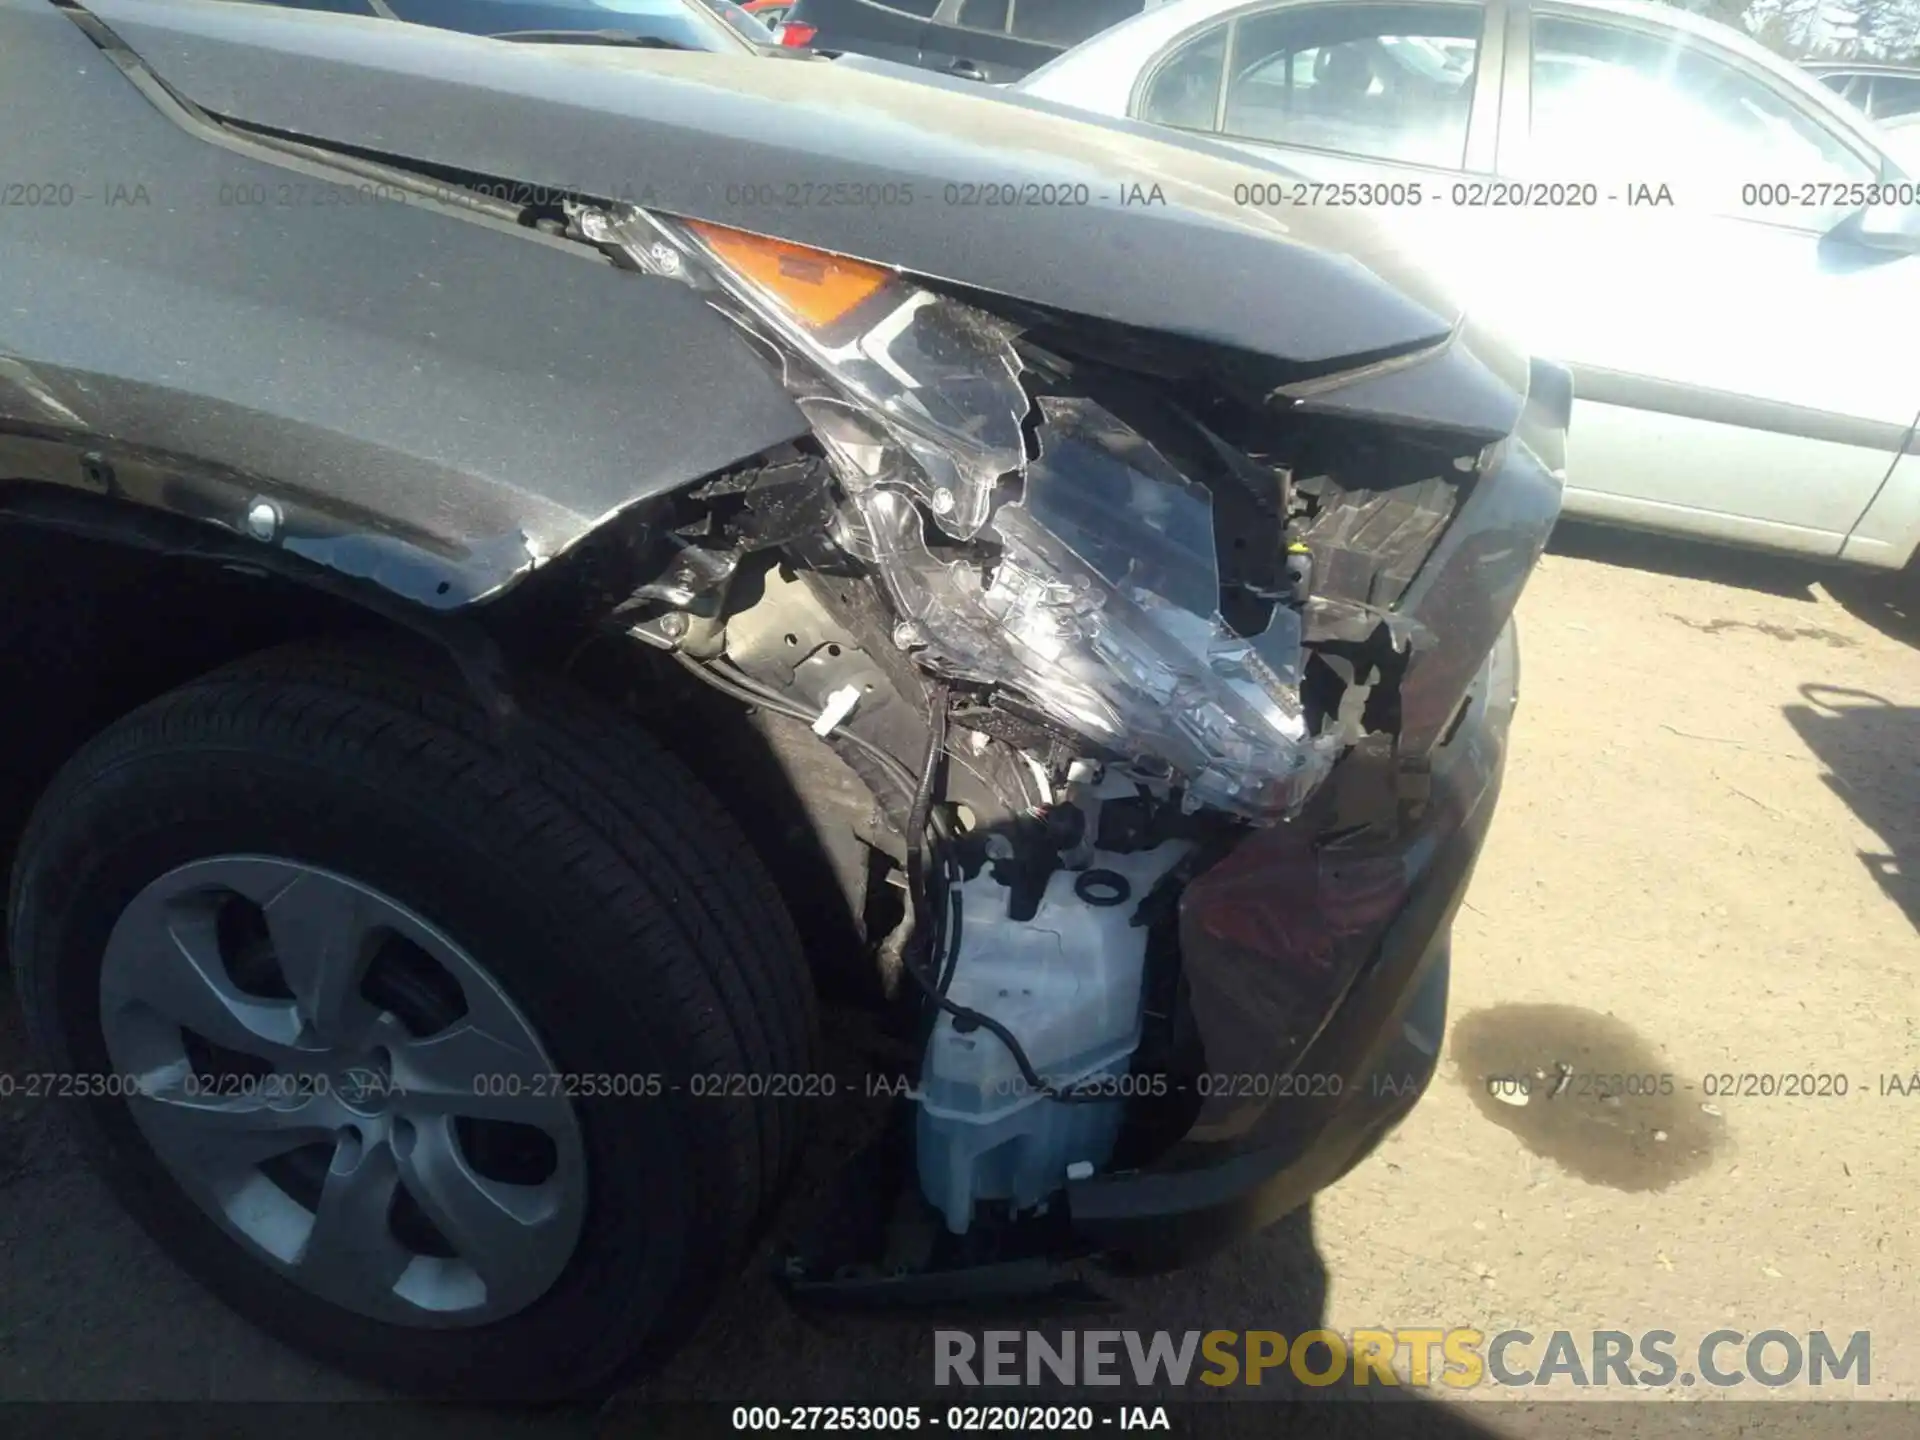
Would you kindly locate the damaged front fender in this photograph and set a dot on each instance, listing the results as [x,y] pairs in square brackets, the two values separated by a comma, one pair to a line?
[325,365]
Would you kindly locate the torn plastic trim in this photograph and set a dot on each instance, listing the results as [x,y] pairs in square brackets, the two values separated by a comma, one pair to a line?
[1365,544]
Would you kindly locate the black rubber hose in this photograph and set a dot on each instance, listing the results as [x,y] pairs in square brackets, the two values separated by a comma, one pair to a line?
[956,925]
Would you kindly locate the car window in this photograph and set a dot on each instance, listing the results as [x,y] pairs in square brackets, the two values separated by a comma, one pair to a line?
[1068,22]
[1392,82]
[1640,108]
[1895,95]
[984,14]
[1185,90]
[1847,85]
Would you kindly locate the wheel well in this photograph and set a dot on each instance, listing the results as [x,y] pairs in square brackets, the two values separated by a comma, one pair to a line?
[91,629]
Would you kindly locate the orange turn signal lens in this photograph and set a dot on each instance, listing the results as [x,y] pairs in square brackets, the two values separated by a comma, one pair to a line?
[815,286]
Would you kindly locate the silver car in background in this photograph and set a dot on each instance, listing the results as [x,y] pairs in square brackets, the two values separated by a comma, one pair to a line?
[1903,141]
[1883,92]
[1723,251]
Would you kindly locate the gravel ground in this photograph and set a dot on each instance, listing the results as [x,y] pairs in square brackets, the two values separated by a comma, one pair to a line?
[1706,863]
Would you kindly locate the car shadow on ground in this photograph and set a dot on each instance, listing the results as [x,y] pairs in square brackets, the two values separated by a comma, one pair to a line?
[1871,750]
[1787,576]
[756,1348]
[1889,602]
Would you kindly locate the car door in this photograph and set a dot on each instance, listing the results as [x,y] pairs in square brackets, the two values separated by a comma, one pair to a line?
[1400,97]
[1738,370]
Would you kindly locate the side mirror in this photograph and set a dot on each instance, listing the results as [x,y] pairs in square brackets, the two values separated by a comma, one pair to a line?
[1885,227]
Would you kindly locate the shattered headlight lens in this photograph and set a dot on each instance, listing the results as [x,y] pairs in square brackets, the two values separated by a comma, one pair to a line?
[1090,585]
[937,381]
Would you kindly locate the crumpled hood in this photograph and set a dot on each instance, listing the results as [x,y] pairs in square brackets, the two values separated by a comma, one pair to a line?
[1124,224]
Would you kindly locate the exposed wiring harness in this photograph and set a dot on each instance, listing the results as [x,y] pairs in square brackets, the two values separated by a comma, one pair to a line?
[742,687]
[945,942]
[923,819]
[919,821]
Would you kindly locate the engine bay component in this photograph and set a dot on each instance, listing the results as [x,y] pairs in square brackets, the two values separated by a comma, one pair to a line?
[1067,983]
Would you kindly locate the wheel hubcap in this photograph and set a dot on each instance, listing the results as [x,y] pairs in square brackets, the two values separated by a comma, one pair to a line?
[344,1090]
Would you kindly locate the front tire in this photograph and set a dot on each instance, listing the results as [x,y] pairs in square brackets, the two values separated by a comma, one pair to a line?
[389,1038]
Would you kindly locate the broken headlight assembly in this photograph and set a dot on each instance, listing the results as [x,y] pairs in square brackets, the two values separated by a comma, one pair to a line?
[1078,571]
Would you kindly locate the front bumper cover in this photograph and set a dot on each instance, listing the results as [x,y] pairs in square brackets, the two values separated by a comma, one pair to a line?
[1313,957]
[1316,971]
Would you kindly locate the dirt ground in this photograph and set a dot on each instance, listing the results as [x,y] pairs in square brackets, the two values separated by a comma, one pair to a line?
[1706,864]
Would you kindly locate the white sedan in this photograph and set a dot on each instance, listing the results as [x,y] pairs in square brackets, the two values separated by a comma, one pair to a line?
[1903,140]
[1725,253]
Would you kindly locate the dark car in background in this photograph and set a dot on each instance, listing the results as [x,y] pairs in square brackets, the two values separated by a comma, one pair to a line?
[1883,91]
[710,25]
[996,41]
